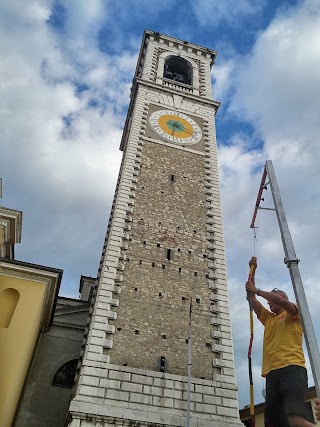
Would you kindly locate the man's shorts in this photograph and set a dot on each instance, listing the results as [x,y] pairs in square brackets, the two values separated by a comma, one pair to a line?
[285,393]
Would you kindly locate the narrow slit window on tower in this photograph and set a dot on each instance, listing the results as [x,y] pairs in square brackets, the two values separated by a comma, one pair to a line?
[169,254]
[153,264]
[158,245]
[179,270]
[172,178]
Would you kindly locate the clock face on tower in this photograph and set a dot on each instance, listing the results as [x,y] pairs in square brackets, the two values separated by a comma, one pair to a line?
[175,127]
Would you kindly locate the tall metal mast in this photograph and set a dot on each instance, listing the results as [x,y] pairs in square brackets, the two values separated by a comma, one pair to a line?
[292,261]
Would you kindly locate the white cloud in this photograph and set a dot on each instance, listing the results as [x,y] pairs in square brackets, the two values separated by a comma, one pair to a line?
[211,12]
[61,174]
[222,82]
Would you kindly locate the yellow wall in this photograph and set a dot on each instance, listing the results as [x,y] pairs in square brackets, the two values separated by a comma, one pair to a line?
[259,420]
[17,341]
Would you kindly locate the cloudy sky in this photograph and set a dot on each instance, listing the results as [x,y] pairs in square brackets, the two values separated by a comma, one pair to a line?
[65,75]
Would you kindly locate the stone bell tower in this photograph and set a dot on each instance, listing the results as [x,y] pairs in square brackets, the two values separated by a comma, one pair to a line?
[164,246]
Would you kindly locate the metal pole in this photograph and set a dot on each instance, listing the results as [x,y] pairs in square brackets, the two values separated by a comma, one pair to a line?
[189,367]
[292,263]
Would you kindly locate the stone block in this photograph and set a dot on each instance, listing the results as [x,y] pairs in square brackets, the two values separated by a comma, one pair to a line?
[117,395]
[162,382]
[174,394]
[205,408]
[92,381]
[141,398]
[132,387]
[162,401]
[91,391]
[228,412]
[121,376]
[154,391]
[110,384]
[141,379]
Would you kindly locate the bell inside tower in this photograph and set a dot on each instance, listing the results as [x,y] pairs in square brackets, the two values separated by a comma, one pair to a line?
[178,69]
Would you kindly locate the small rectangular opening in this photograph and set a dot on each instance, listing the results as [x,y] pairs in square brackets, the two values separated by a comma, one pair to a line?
[169,254]
[162,363]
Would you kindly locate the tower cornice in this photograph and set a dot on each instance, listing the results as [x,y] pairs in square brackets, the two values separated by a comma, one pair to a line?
[180,44]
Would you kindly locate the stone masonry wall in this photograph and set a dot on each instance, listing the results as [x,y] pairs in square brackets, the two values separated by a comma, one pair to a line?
[169,215]
[151,399]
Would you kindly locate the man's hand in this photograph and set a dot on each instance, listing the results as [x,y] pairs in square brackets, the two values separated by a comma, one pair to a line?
[253,261]
[250,287]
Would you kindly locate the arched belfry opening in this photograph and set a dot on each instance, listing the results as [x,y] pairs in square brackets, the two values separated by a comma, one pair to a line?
[178,69]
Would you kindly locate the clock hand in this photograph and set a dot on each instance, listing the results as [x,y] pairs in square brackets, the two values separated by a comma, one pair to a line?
[186,130]
[174,125]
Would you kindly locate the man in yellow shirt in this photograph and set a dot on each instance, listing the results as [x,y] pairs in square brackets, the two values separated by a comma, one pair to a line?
[283,362]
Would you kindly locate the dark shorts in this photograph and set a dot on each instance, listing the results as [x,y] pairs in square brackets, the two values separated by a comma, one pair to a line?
[285,394]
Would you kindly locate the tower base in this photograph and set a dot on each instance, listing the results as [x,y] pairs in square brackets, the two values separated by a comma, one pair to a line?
[124,396]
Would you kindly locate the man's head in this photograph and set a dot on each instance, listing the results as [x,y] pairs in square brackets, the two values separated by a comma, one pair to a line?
[276,309]
[280,292]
